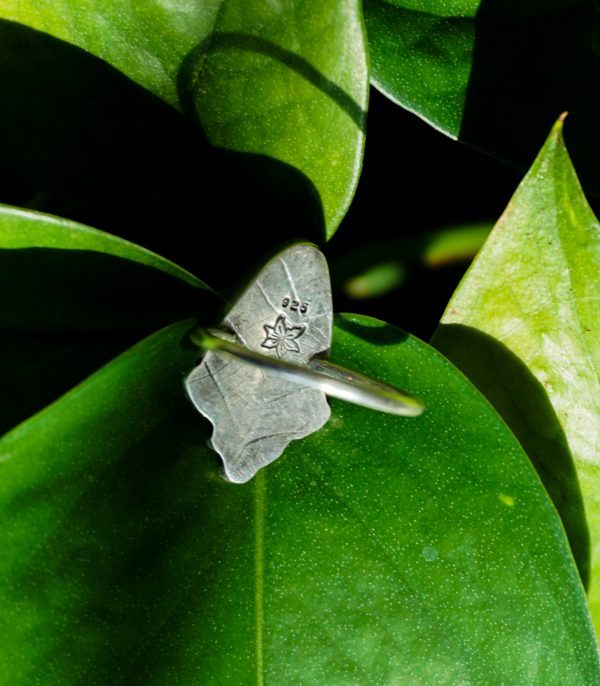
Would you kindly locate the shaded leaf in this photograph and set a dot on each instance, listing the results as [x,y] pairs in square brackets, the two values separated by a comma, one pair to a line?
[378,550]
[522,326]
[37,367]
[493,73]
[55,274]
[286,81]
[110,154]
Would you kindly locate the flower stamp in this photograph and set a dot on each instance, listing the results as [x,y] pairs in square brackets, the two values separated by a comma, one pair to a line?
[282,337]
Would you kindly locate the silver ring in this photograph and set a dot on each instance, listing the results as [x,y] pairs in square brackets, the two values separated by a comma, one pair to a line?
[321,375]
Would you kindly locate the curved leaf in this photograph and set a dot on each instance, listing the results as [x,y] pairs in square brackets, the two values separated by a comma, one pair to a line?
[56,274]
[289,81]
[493,73]
[421,58]
[522,326]
[378,550]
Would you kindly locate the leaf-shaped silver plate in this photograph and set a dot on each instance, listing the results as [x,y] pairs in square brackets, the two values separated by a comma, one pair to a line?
[285,312]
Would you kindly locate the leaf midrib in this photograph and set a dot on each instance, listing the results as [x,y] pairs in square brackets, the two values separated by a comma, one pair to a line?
[260,488]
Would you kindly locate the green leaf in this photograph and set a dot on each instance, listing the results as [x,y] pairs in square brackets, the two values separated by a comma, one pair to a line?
[523,326]
[421,57]
[493,73]
[378,550]
[288,81]
[55,274]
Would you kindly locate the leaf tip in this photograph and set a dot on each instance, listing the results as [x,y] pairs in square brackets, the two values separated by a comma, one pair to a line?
[555,143]
[557,129]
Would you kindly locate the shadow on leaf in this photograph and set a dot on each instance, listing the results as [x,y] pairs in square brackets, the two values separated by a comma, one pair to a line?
[522,402]
[114,156]
[378,333]
[117,520]
[45,289]
[192,64]
[37,367]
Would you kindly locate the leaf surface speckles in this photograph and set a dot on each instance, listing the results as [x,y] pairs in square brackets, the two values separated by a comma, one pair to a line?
[380,549]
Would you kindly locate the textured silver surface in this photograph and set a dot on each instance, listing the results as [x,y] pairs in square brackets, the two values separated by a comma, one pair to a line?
[287,313]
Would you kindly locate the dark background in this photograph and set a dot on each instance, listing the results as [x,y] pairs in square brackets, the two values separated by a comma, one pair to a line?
[415,180]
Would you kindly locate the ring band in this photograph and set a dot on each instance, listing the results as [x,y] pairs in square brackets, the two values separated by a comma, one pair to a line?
[321,375]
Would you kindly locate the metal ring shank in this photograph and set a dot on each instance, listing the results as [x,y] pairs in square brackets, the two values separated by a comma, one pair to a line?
[323,376]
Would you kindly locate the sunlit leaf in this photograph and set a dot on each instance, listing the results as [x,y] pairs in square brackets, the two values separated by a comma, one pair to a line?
[378,550]
[523,326]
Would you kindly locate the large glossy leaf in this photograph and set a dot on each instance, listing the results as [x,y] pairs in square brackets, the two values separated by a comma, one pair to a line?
[523,326]
[285,80]
[55,274]
[493,73]
[378,550]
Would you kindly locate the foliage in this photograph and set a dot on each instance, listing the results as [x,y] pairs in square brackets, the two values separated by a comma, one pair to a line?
[452,548]
[537,326]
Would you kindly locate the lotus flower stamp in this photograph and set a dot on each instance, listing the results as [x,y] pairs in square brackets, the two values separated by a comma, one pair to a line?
[282,337]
